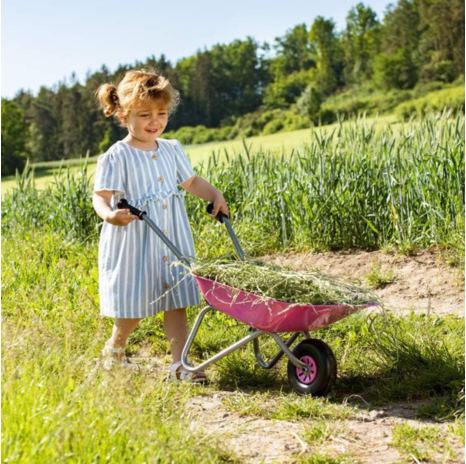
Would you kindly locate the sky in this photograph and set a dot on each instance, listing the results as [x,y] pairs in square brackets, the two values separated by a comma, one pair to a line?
[44,42]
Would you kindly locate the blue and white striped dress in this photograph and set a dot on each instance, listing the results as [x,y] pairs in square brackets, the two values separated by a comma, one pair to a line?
[136,275]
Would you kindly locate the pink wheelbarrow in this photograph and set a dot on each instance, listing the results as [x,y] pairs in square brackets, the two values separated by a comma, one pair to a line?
[312,367]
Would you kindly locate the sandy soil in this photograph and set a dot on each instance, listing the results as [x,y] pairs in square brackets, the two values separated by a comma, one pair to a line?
[365,439]
[423,283]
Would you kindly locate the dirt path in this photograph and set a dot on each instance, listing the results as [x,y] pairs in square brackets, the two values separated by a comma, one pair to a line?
[366,438]
[423,283]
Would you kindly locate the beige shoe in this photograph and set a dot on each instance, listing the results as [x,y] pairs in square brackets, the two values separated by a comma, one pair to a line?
[179,374]
[113,358]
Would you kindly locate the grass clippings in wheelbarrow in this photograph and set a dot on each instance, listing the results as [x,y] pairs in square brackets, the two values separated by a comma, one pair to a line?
[282,283]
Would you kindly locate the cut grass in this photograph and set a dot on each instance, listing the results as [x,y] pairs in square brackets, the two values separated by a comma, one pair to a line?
[282,283]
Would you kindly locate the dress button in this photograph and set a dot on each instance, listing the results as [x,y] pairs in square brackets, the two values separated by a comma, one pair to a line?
[165,232]
[165,206]
[160,179]
[166,286]
[154,157]
[165,258]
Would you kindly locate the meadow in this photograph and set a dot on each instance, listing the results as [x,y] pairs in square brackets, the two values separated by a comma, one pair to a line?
[284,143]
[352,186]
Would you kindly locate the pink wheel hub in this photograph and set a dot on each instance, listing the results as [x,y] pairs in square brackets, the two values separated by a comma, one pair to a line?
[307,377]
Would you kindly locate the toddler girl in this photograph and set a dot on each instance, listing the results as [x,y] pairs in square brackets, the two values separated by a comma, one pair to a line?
[136,278]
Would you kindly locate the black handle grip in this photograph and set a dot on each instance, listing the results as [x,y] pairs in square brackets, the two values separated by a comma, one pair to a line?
[123,204]
[220,215]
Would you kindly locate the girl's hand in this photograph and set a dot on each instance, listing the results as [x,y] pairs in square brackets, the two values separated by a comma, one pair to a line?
[120,217]
[220,205]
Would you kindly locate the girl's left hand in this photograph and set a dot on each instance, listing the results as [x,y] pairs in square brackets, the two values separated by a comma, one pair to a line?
[220,205]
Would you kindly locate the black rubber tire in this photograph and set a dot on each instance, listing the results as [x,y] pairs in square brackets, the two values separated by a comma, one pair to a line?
[326,368]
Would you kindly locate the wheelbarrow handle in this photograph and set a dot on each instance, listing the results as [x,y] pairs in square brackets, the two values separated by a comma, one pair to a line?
[123,204]
[220,216]
[143,216]
[223,218]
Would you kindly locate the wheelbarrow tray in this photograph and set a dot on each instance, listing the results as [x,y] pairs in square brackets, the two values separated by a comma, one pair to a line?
[271,315]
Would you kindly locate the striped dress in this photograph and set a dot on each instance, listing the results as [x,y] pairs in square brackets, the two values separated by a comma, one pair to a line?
[136,275]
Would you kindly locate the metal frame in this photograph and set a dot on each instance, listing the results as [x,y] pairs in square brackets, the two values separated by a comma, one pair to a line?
[284,347]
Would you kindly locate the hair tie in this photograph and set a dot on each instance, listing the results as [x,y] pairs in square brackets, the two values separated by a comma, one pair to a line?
[114,97]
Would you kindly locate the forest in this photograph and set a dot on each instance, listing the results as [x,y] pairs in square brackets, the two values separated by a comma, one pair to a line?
[245,87]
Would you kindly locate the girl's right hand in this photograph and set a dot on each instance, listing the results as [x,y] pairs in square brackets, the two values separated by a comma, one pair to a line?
[120,217]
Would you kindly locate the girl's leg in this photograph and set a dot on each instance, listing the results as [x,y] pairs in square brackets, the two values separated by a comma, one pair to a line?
[175,323]
[176,329]
[122,329]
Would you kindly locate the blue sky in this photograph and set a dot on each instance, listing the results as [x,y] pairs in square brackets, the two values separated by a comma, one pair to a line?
[44,42]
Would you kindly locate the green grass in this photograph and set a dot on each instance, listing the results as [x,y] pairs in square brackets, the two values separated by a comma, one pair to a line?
[288,406]
[457,429]
[320,458]
[283,142]
[318,432]
[356,186]
[46,173]
[420,442]
[51,387]
[452,98]
[379,277]
[52,335]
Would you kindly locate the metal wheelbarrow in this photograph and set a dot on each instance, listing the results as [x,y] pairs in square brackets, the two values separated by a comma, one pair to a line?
[312,367]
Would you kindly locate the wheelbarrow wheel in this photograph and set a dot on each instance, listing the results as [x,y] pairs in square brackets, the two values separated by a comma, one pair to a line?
[320,378]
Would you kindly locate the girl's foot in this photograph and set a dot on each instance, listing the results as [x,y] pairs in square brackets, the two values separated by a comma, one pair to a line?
[116,357]
[177,372]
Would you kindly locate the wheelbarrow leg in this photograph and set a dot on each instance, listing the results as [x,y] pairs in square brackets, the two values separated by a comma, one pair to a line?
[277,357]
[218,356]
[293,359]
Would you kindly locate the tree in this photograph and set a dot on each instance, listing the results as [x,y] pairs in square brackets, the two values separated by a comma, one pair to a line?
[309,103]
[361,43]
[14,138]
[227,80]
[396,71]
[292,68]
[441,44]
[112,135]
[398,66]
[328,55]
[45,112]
[401,27]
[419,40]
[294,50]
[286,88]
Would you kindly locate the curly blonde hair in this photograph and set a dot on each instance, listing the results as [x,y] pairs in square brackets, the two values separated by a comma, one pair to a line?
[135,88]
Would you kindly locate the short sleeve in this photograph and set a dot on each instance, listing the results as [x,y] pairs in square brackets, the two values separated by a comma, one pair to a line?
[108,175]
[184,170]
